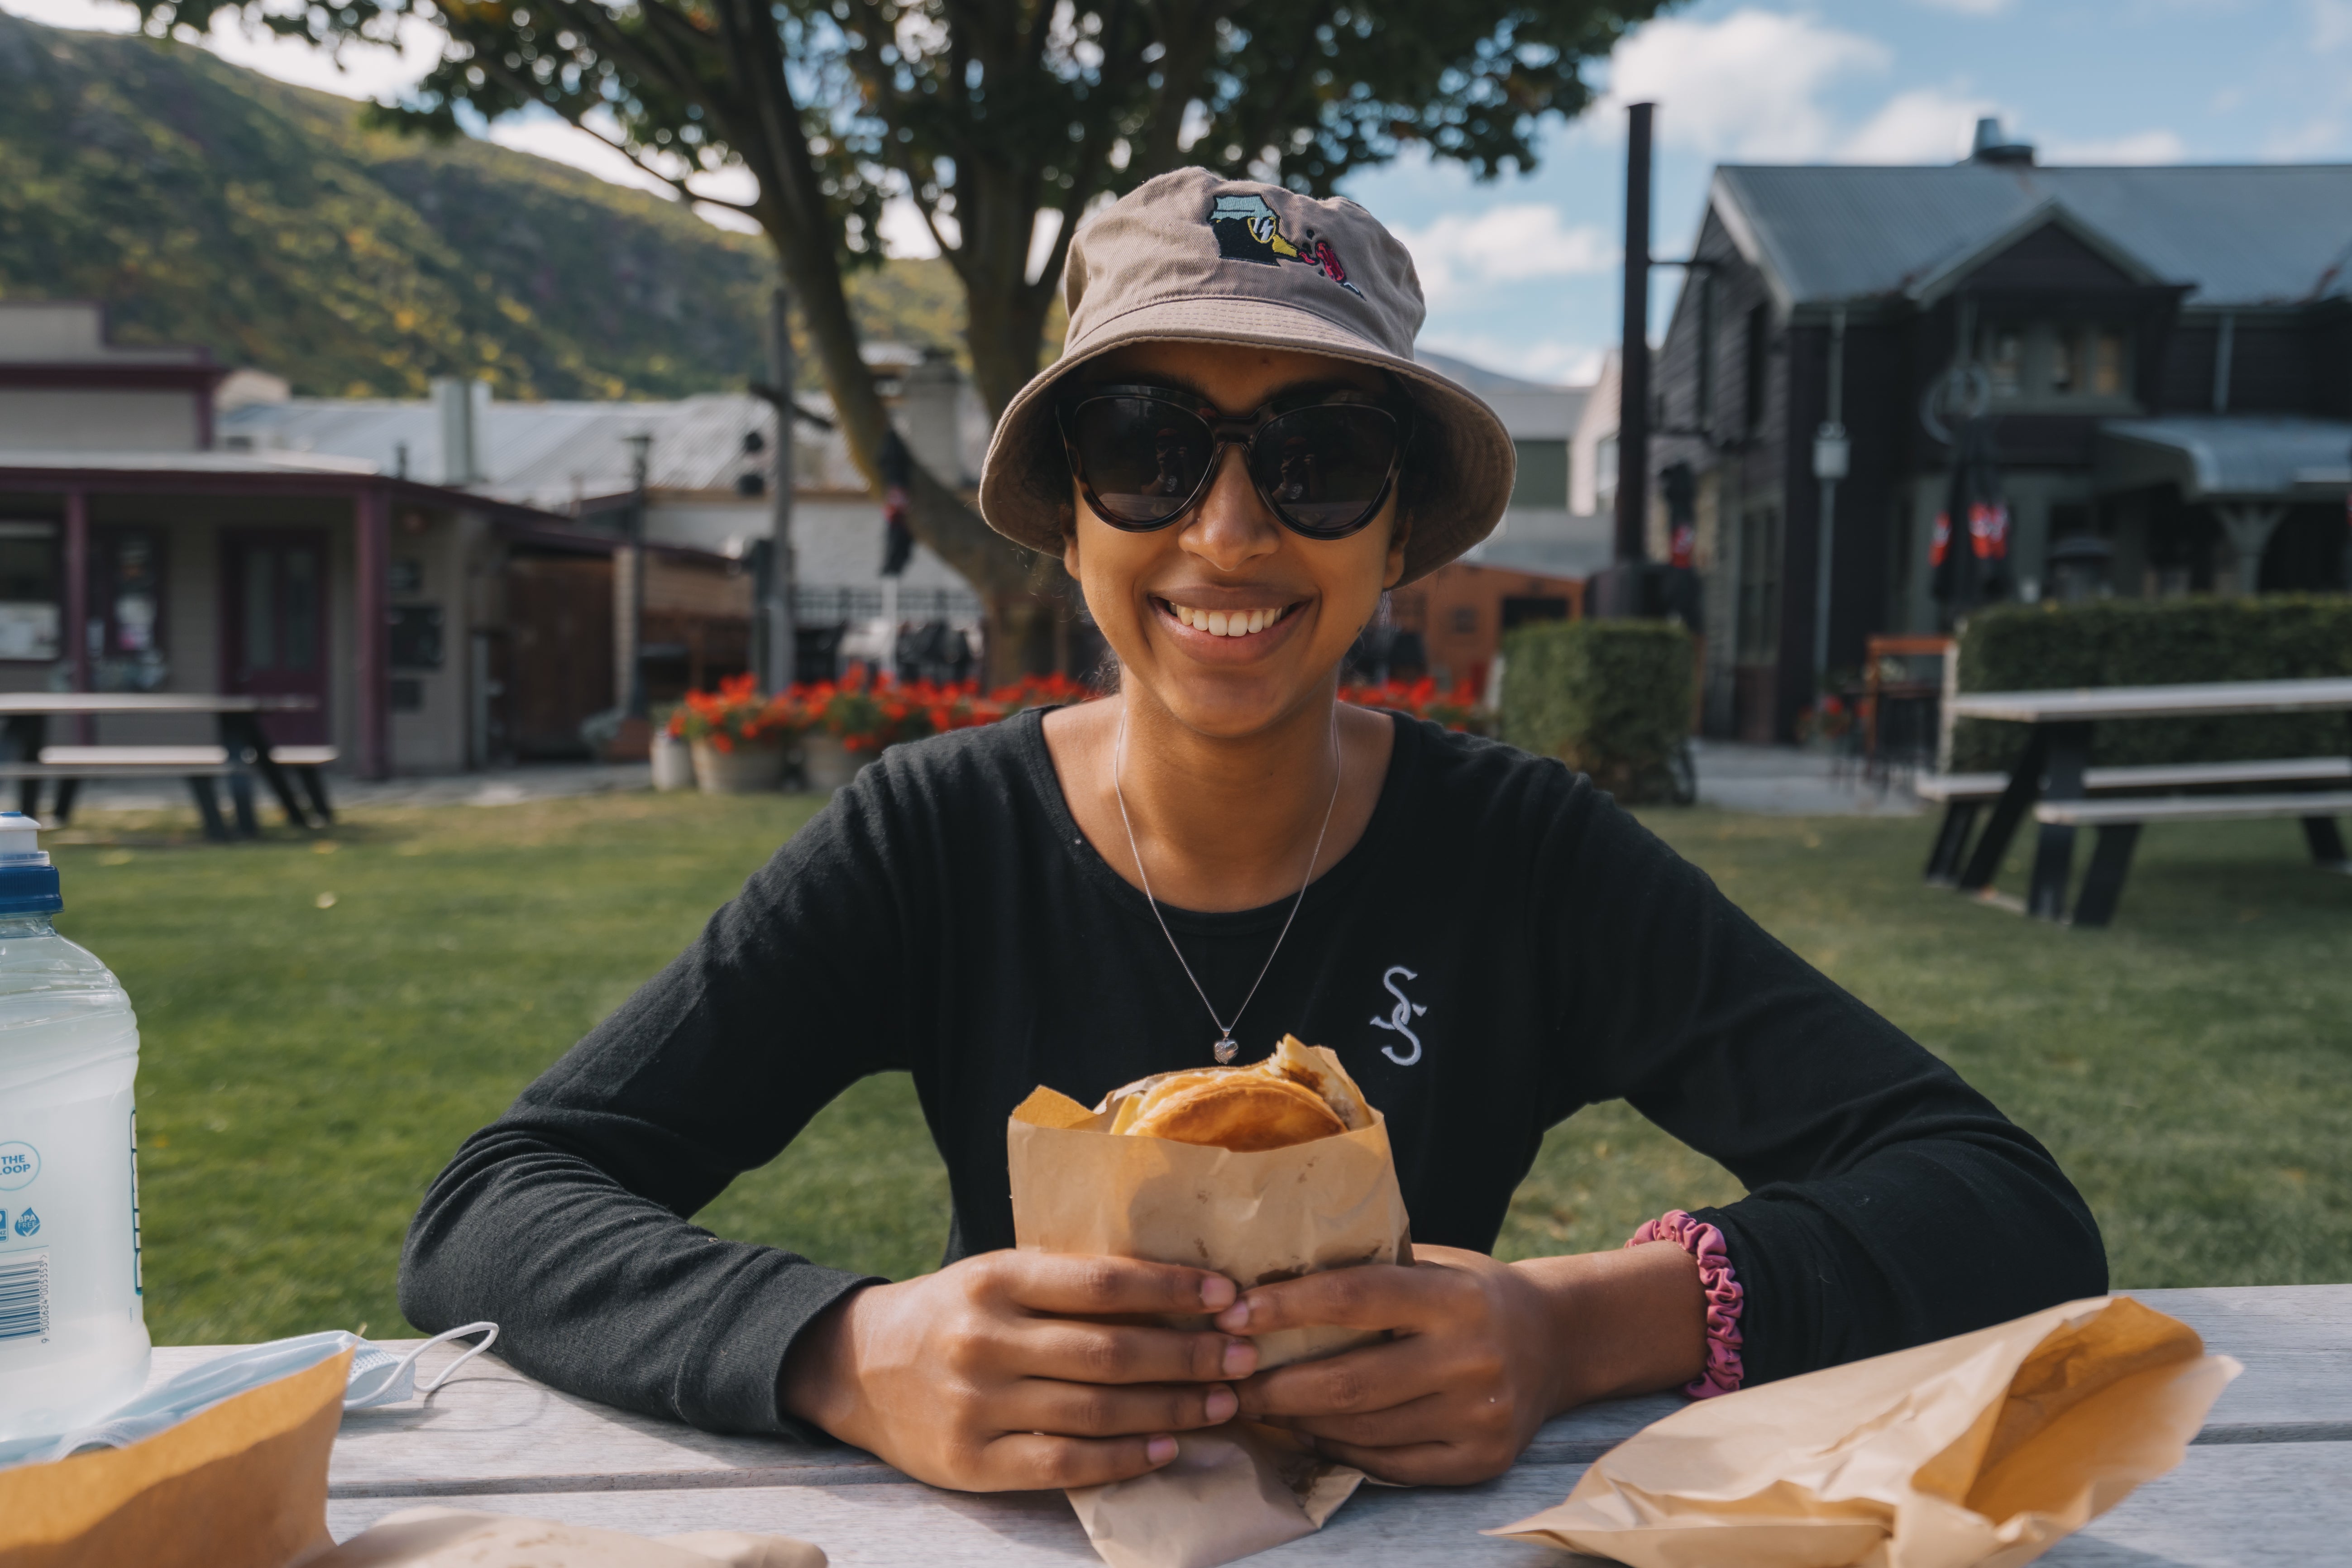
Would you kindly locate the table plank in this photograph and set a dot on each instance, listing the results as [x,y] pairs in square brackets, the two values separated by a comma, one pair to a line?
[2189,700]
[494,1430]
[2244,1507]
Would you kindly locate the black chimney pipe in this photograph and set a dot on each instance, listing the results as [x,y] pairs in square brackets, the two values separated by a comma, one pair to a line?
[1634,354]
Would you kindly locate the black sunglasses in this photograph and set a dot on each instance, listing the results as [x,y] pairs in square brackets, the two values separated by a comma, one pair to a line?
[1323,461]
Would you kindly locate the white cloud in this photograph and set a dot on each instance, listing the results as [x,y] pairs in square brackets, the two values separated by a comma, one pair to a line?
[2331,25]
[1967,8]
[2139,147]
[1546,360]
[1508,243]
[1748,86]
[1925,125]
[81,15]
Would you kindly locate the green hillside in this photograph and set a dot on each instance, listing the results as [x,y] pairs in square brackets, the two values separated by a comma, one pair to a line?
[208,205]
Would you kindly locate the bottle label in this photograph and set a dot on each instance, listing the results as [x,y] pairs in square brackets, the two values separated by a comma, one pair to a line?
[68,1206]
[24,1296]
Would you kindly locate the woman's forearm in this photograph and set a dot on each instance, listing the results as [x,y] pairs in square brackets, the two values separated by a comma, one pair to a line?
[1624,1322]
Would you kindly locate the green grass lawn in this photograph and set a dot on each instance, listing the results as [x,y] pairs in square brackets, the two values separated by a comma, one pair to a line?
[323,1022]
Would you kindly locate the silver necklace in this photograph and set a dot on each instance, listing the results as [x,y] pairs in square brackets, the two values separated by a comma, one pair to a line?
[1226,1049]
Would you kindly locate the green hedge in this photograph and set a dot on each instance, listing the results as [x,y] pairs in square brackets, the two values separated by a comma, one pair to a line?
[2274,636]
[1612,698]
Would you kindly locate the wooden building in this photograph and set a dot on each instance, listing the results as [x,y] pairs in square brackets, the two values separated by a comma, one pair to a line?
[137,554]
[2163,357]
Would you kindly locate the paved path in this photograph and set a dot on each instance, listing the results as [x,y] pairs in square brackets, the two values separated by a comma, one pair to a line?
[1782,781]
[1786,781]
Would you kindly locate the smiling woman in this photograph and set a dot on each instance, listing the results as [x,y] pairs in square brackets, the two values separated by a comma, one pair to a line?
[1235,458]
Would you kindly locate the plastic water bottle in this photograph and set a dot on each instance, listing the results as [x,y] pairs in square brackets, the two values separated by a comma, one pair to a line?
[73,1336]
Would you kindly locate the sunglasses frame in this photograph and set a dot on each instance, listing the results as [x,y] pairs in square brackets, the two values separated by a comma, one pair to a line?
[1238,430]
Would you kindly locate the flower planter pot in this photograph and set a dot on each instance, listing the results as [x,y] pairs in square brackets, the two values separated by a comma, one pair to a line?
[746,770]
[826,764]
[673,763]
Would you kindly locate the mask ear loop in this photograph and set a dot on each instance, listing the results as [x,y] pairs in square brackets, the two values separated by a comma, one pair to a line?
[489,1333]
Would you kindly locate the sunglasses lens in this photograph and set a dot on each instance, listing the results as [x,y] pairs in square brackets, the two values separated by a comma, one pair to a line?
[1142,457]
[1324,468]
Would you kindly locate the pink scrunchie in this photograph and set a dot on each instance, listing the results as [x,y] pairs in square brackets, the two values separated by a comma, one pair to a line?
[1704,1242]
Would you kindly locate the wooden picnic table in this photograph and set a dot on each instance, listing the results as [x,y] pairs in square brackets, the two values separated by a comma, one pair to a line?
[2057,748]
[25,731]
[2264,1485]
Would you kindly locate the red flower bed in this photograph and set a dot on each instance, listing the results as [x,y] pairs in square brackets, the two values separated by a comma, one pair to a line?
[1456,710]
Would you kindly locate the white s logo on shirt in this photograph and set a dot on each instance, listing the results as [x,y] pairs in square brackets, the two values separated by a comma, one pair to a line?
[1400,1016]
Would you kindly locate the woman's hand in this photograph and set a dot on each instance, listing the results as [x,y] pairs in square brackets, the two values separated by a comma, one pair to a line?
[1483,1352]
[998,1373]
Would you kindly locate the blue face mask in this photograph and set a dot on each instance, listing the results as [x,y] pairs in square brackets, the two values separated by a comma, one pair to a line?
[377,1377]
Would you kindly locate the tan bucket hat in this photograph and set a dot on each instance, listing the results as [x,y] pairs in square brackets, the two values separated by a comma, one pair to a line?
[1194,256]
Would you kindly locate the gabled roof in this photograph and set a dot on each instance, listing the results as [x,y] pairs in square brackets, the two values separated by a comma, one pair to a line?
[2236,236]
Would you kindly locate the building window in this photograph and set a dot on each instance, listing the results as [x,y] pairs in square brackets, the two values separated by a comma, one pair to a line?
[1465,620]
[2106,349]
[28,591]
[1759,586]
[2065,373]
[1604,471]
[2005,360]
[1542,479]
[127,641]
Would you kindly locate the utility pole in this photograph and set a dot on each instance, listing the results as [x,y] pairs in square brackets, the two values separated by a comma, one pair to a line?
[1634,353]
[783,572]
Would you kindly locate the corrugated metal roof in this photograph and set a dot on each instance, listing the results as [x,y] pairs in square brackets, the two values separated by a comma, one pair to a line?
[2240,235]
[549,454]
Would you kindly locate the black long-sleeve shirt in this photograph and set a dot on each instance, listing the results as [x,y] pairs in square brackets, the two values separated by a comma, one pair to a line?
[1502,947]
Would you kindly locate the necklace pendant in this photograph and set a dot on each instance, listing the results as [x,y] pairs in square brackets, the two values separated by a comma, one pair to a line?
[1226,1050]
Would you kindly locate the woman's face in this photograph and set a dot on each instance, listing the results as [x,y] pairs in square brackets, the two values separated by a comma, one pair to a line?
[1230,559]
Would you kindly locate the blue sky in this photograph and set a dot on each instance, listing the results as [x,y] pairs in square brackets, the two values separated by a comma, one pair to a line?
[1521,272]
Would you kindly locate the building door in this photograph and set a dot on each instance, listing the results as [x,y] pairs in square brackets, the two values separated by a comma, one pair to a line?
[274,626]
[559,650]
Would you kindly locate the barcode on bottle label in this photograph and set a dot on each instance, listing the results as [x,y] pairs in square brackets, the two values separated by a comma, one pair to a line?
[25,1297]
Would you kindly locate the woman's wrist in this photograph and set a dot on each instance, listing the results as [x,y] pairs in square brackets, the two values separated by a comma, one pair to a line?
[818,1383]
[1625,1323]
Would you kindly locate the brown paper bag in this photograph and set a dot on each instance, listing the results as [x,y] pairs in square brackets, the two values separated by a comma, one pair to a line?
[1979,1451]
[242,1485]
[1255,1218]
[465,1538]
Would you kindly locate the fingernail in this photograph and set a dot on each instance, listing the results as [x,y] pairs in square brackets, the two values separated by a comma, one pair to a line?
[1217,1292]
[1236,1318]
[1221,1404]
[1159,1450]
[1240,1357]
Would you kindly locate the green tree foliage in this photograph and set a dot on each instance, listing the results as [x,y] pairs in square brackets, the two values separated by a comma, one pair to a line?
[207,205]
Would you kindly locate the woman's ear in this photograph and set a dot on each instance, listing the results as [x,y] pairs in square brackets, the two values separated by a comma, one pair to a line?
[1400,535]
[1069,522]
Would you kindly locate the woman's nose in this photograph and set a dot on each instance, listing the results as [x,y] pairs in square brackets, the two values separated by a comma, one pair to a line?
[1233,527]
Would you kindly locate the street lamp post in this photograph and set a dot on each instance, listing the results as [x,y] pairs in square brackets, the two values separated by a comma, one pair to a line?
[639,446]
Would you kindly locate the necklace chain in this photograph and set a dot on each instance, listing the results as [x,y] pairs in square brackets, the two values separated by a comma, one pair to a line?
[1224,1051]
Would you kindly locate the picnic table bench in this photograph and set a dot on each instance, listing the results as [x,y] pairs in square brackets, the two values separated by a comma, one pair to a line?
[2051,782]
[2264,1485]
[244,750]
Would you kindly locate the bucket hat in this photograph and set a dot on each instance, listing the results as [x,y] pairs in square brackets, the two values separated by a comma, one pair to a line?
[1194,258]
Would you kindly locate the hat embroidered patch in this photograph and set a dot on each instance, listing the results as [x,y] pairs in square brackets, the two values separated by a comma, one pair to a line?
[1247,230]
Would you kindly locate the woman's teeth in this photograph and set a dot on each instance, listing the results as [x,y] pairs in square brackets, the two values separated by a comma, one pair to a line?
[1227,623]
